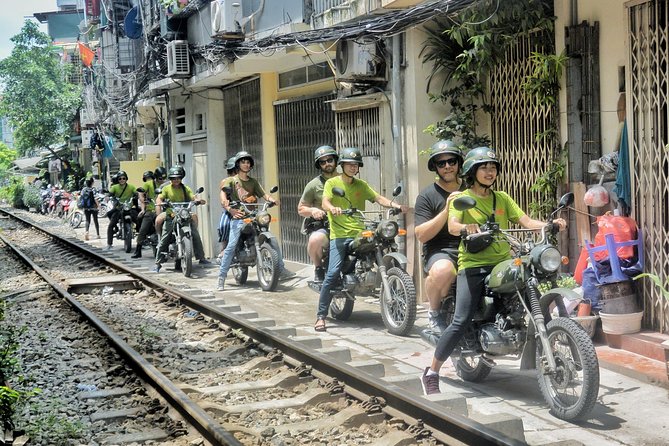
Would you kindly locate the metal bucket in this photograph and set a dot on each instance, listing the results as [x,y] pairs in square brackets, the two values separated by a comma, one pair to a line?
[618,298]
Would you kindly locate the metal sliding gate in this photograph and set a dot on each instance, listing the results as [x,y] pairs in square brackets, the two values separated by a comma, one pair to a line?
[649,144]
[302,125]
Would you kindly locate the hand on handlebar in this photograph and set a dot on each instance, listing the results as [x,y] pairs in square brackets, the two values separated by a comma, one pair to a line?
[236,213]
[470,229]
[318,214]
[561,224]
[336,211]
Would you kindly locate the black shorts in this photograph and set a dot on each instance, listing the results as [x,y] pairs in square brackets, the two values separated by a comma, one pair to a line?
[444,253]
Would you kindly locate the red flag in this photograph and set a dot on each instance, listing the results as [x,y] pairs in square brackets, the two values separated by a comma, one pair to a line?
[86,54]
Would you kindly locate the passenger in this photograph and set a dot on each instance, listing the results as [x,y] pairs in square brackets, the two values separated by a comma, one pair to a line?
[245,188]
[344,228]
[479,170]
[147,210]
[176,191]
[125,193]
[90,207]
[440,248]
[224,223]
[310,207]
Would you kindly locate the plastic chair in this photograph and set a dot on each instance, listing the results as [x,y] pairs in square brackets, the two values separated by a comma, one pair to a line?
[611,246]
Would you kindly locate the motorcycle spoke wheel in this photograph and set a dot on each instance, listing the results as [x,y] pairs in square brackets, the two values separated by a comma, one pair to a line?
[571,390]
[268,268]
[76,220]
[471,368]
[341,307]
[241,274]
[187,259]
[127,237]
[399,312]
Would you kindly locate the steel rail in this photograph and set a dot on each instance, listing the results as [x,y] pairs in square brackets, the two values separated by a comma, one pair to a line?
[457,426]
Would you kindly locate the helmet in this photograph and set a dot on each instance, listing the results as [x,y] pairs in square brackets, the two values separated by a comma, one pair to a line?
[476,157]
[148,174]
[350,155]
[442,147]
[176,172]
[241,155]
[324,151]
[230,164]
[121,173]
[159,173]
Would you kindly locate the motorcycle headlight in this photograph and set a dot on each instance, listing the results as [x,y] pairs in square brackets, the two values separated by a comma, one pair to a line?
[387,229]
[126,206]
[263,219]
[184,214]
[546,258]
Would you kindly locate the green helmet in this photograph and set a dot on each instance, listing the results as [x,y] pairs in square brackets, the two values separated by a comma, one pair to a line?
[230,164]
[476,157]
[241,155]
[443,147]
[176,172]
[350,155]
[324,151]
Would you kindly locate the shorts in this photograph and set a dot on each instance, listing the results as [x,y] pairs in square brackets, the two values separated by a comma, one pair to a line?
[444,253]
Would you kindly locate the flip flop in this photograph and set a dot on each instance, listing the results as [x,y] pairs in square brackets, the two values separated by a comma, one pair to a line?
[320,325]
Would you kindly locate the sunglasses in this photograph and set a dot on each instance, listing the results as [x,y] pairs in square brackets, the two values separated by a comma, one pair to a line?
[451,162]
[326,161]
[123,178]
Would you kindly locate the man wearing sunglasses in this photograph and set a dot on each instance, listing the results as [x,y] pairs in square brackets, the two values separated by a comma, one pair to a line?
[124,192]
[440,248]
[310,207]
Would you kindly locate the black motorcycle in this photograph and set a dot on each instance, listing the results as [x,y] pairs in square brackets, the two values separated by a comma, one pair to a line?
[123,230]
[374,267]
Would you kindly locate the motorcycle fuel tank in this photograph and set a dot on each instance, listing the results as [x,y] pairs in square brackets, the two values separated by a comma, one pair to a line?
[504,277]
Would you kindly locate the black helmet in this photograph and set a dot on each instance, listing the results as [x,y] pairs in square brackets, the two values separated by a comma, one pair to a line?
[176,172]
[160,173]
[324,151]
[350,155]
[476,157]
[148,174]
[114,179]
[241,155]
[121,173]
[230,164]
[442,147]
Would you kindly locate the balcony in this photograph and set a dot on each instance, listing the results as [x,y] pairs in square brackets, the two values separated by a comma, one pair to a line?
[329,13]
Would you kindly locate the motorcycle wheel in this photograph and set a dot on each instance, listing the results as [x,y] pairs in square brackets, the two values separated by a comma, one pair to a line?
[187,260]
[341,308]
[127,237]
[399,314]
[471,368]
[59,211]
[268,268]
[76,220]
[240,273]
[571,392]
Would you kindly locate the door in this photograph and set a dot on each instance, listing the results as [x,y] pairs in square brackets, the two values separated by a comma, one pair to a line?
[200,178]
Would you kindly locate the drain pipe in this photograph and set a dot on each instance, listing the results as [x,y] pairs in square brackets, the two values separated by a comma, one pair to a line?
[396,116]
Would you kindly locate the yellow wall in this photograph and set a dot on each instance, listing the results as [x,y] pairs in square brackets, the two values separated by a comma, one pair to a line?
[135,170]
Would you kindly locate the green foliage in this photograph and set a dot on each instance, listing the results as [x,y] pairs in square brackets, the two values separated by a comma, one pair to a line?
[544,82]
[9,399]
[38,101]
[7,156]
[13,192]
[31,197]
[564,281]
[657,281]
[547,185]
[51,426]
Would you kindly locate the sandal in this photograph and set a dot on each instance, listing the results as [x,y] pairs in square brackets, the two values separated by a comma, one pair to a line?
[320,325]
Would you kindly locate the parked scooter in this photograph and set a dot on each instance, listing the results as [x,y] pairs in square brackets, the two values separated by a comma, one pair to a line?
[74,215]
[515,320]
[373,267]
[45,195]
[123,229]
[180,248]
[254,247]
[63,205]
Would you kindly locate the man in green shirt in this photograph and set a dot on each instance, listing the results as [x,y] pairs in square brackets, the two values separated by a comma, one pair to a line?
[342,227]
[124,192]
[309,207]
[147,210]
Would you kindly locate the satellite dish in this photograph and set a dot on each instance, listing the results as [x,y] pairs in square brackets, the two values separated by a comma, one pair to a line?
[133,23]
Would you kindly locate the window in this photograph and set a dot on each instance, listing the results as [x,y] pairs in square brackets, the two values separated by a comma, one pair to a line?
[200,124]
[305,75]
[180,120]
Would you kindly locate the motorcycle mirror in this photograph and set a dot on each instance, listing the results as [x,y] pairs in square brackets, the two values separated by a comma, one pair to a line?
[199,190]
[566,200]
[397,190]
[274,189]
[338,192]
[464,203]
[159,191]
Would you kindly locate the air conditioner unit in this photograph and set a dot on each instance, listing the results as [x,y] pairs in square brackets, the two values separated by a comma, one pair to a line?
[225,19]
[178,59]
[359,61]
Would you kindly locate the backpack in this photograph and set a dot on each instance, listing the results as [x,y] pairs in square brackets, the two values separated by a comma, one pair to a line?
[86,199]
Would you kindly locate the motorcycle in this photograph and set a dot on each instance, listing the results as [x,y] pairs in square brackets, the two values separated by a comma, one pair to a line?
[63,205]
[254,248]
[74,215]
[514,319]
[123,229]
[181,241]
[56,195]
[374,267]
[105,205]
[45,195]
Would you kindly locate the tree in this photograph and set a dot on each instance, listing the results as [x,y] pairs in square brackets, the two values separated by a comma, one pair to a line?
[37,99]
[7,155]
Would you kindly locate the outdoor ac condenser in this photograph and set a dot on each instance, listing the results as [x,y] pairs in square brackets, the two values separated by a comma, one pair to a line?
[225,19]
[359,61]
[178,60]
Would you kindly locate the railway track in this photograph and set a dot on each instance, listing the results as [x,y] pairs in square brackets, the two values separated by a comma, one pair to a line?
[232,377]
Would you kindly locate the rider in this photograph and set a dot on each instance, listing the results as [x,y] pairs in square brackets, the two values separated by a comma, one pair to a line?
[343,228]
[176,191]
[124,192]
[479,170]
[147,210]
[224,223]
[325,160]
[440,248]
[244,188]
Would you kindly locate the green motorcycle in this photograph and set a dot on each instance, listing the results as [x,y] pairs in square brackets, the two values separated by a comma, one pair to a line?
[515,320]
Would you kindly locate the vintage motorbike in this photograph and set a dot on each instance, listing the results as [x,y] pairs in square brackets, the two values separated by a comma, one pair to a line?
[515,320]
[123,229]
[74,215]
[254,248]
[180,248]
[374,267]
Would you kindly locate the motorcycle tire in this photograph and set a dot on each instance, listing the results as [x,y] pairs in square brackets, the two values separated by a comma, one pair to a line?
[268,268]
[187,259]
[471,368]
[59,211]
[399,314]
[240,273]
[127,237]
[571,392]
[341,307]
[76,220]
